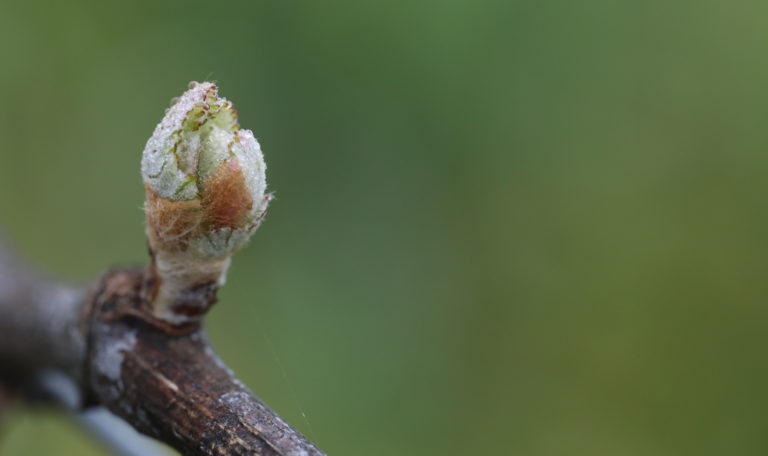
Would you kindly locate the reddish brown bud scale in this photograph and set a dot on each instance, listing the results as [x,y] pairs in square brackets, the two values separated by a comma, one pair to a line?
[227,200]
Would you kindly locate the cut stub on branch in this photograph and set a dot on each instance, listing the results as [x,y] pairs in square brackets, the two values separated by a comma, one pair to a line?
[205,185]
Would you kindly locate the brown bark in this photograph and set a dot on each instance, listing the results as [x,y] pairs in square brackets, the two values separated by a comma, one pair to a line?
[165,381]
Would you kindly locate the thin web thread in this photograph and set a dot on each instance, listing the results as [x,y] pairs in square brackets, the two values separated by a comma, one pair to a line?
[286,380]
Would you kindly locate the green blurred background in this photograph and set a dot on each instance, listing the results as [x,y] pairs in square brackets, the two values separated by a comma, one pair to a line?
[500,227]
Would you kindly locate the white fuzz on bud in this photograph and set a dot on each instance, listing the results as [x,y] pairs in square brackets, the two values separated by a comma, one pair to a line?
[205,185]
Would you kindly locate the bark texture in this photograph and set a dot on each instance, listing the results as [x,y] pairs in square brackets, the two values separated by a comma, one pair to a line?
[164,380]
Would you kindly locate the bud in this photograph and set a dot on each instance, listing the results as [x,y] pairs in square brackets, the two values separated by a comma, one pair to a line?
[205,185]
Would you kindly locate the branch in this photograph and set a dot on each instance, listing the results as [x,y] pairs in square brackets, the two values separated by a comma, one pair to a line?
[174,387]
[39,321]
[170,386]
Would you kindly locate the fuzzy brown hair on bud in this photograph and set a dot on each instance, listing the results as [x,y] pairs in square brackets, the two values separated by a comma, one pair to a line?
[205,186]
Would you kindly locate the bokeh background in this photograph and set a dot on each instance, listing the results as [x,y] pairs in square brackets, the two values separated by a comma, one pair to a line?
[500,227]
